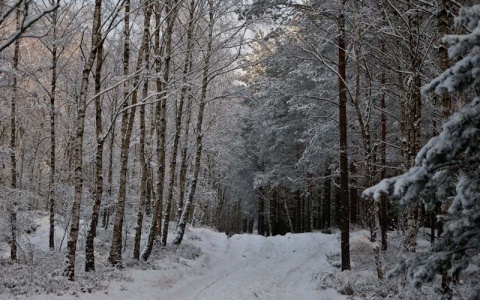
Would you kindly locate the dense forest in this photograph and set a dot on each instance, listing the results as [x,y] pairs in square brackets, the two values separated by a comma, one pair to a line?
[126,122]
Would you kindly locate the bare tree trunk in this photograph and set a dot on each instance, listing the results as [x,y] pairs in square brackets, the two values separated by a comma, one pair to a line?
[115,249]
[196,169]
[92,231]
[184,164]
[414,128]
[342,117]
[53,86]
[13,159]
[106,211]
[261,211]
[289,219]
[444,18]
[143,162]
[376,247]
[383,162]
[327,187]
[73,236]
[170,11]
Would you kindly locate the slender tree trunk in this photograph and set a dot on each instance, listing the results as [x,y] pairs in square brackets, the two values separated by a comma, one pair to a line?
[308,221]
[312,204]
[327,187]
[289,219]
[261,211]
[298,212]
[273,213]
[184,164]
[342,117]
[143,162]
[53,87]
[353,193]
[376,247]
[106,211]
[13,158]
[80,126]
[115,250]
[183,219]
[414,128]
[92,231]
[383,162]
[170,11]
[444,19]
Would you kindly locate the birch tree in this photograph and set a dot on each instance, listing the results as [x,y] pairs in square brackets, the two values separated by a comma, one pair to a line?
[198,127]
[160,114]
[187,66]
[79,135]
[128,117]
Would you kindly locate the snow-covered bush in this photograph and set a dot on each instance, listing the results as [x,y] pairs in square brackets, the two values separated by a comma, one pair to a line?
[447,168]
[43,274]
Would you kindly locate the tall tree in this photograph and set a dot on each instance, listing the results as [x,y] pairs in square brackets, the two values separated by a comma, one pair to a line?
[160,113]
[53,88]
[79,135]
[198,129]
[447,166]
[143,162]
[98,193]
[178,120]
[128,118]
[342,118]
[13,127]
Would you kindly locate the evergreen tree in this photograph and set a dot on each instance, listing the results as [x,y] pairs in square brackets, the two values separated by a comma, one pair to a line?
[447,166]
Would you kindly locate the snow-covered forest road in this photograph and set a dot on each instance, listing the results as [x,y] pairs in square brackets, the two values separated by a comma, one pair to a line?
[253,267]
[244,266]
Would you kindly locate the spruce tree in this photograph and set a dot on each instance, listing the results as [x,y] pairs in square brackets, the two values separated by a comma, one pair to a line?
[446,169]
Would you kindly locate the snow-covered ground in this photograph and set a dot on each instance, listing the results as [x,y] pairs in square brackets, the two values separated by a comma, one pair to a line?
[240,267]
[210,266]
[254,267]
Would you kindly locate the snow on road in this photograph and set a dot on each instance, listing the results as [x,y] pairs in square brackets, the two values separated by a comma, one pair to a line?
[240,267]
[254,267]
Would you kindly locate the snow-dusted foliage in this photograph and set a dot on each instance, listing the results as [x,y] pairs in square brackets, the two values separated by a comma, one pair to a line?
[446,169]
[466,49]
[39,271]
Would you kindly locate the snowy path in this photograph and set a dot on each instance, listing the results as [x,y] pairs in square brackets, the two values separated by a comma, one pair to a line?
[254,267]
[241,267]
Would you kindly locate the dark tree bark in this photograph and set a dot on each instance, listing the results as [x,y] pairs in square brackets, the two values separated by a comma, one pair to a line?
[410,242]
[444,19]
[53,87]
[383,162]
[261,211]
[13,158]
[342,118]
[327,187]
